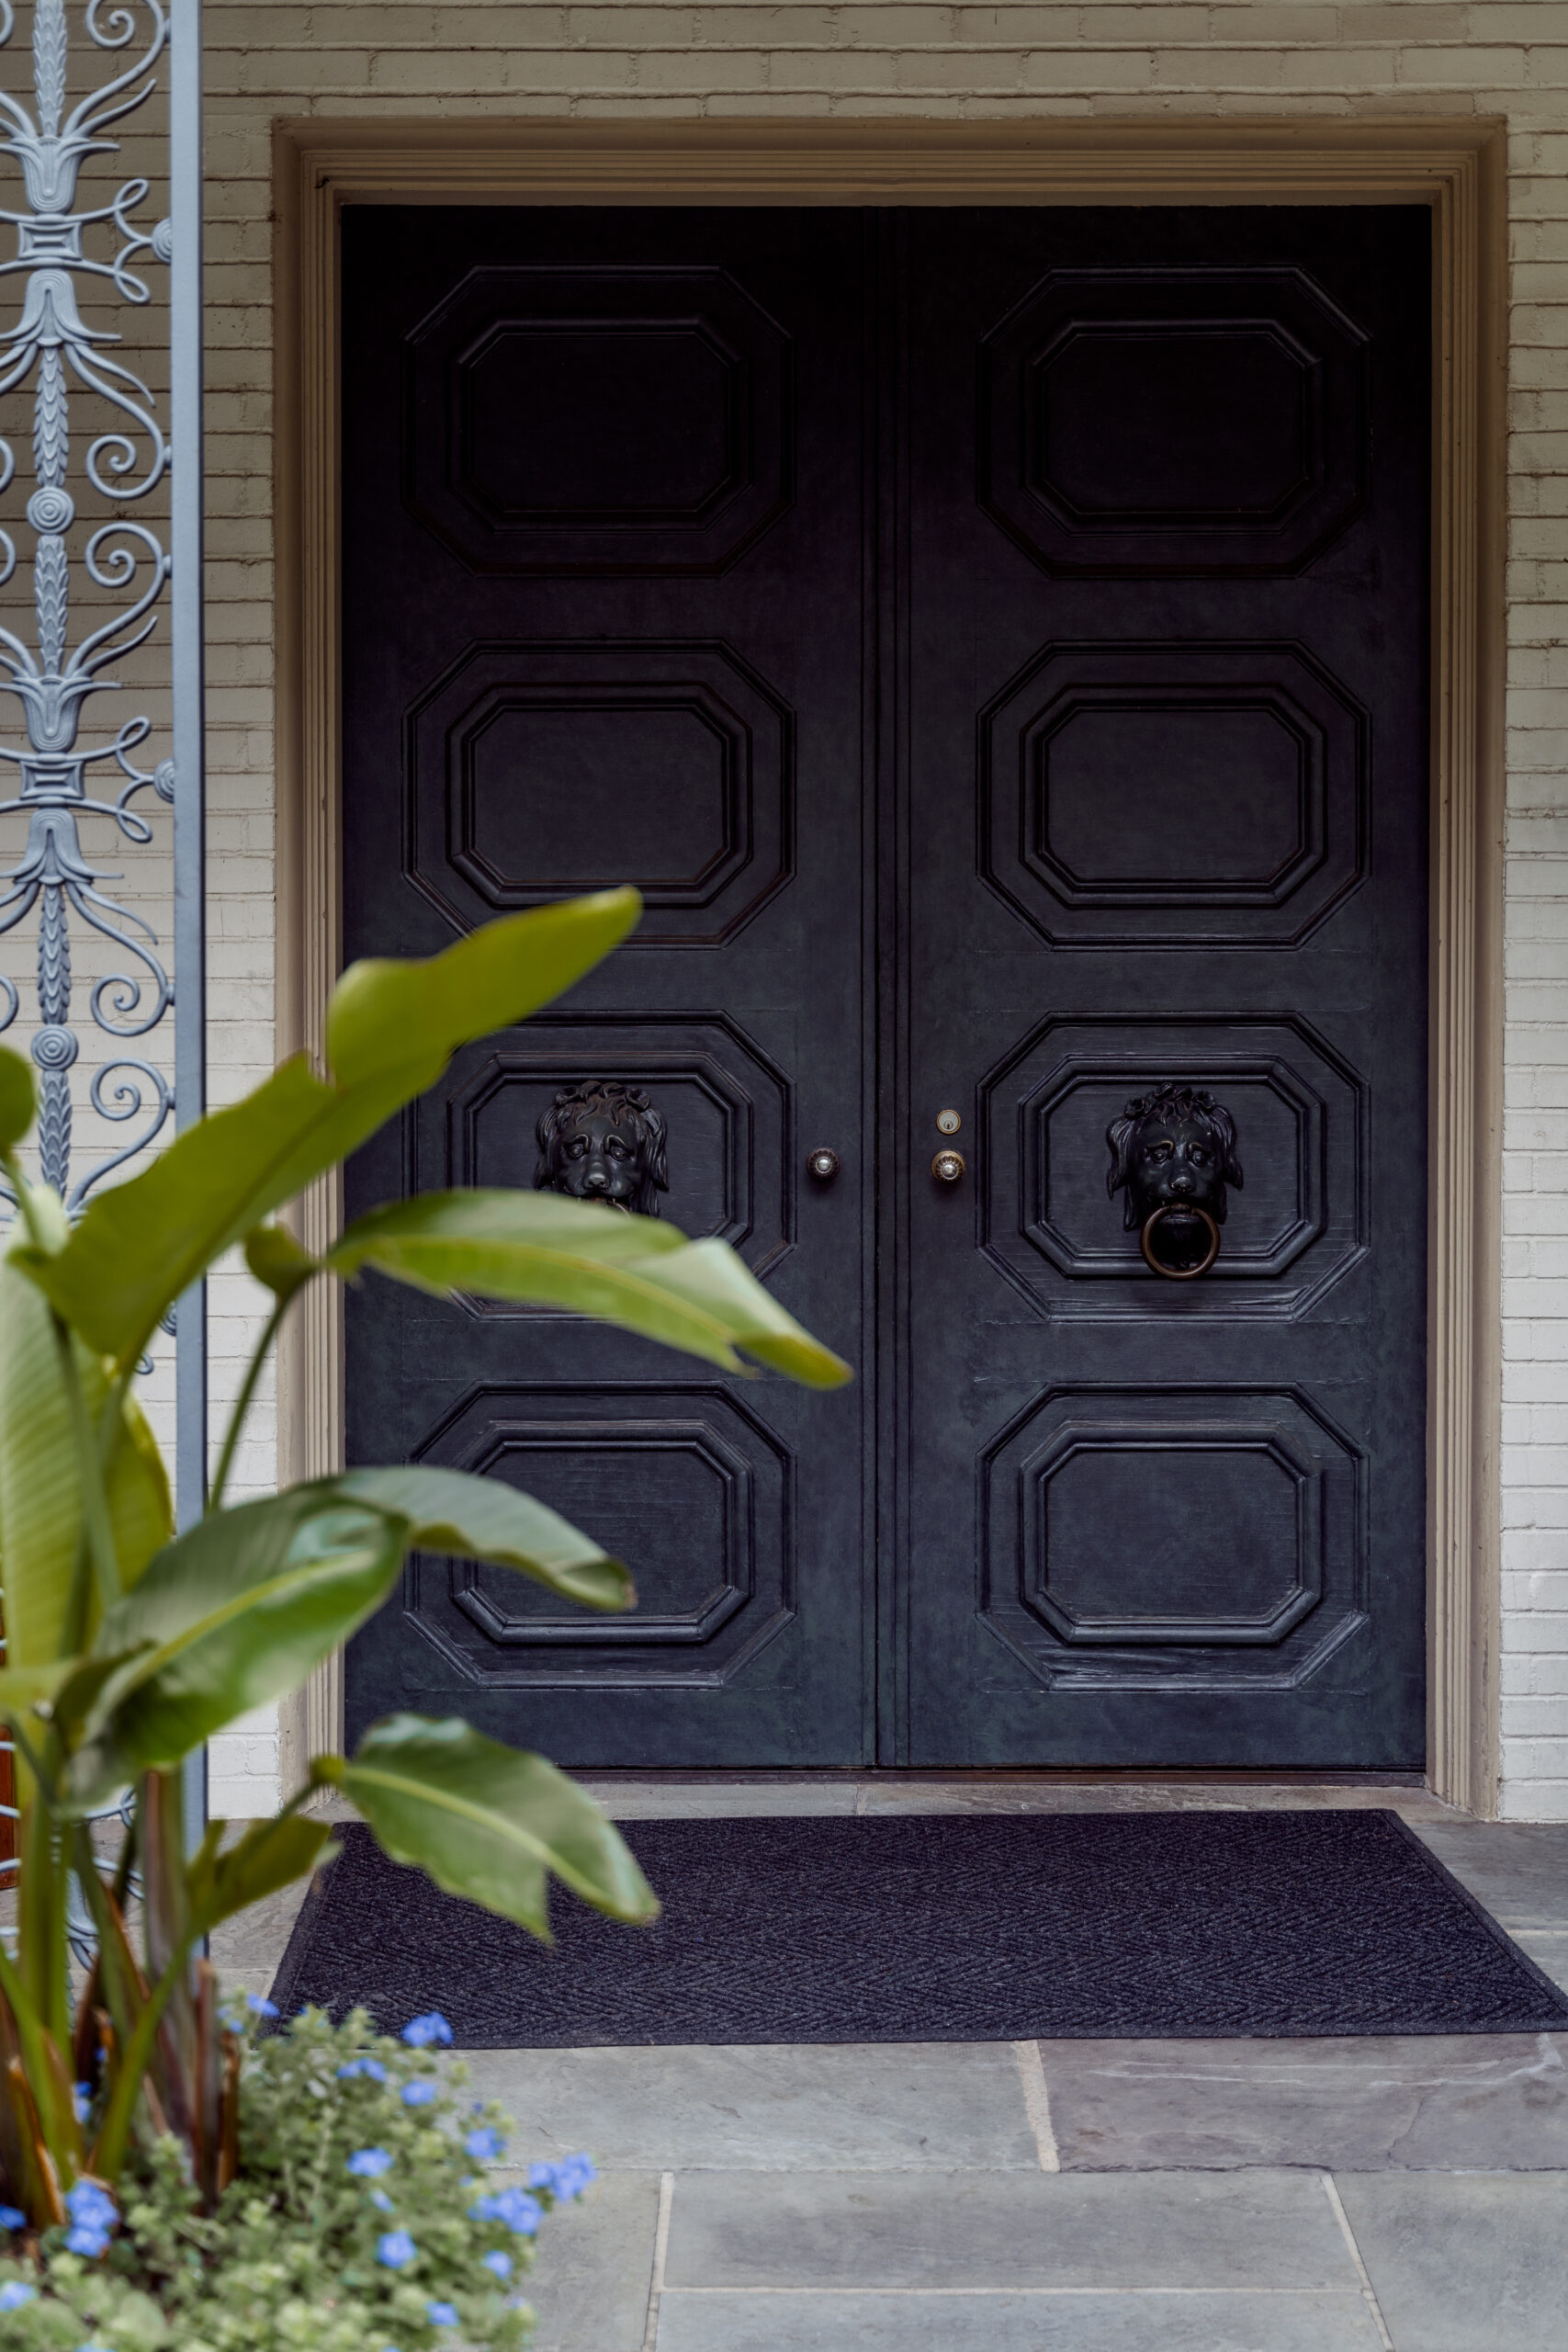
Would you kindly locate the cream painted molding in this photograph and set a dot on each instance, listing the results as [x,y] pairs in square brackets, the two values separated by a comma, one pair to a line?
[1457,168]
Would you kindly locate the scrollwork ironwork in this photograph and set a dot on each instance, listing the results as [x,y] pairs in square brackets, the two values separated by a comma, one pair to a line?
[53,347]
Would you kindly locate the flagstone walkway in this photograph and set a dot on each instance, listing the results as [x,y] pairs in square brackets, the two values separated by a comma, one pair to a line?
[1310,2196]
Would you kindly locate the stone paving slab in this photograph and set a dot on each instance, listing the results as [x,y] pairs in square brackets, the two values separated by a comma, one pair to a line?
[590,2279]
[1420,2103]
[1548,1947]
[1322,2322]
[1467,2262]
[886,2106]
[1518,1871]
[1254,2230]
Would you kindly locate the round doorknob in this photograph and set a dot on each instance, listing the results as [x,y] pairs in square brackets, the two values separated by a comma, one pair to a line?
[948,1167]
[823,1164]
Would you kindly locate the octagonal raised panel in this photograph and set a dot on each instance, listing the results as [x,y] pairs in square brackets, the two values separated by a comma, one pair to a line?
[726,1105]
[1182,794]
[1202,420]
[686,1487]
[598,419]
[536,771]
[1296,1225]
[1209,1535]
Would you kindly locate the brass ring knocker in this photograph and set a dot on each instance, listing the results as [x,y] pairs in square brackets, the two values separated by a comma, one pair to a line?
[1158,1265]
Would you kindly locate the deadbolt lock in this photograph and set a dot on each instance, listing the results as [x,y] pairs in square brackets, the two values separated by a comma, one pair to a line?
[948,1123]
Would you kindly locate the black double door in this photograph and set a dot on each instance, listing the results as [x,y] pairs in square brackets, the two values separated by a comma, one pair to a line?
[994,643]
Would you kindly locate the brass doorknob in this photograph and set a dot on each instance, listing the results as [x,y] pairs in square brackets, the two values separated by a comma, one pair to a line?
[948,1167]
[823,1164]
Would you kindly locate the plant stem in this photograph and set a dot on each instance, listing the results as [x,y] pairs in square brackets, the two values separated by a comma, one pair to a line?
[109,2152]
[24,1191]
[119,1995]
[95,1495]
[24,2015]
[243,1406]
[113,1417]
[30,1758]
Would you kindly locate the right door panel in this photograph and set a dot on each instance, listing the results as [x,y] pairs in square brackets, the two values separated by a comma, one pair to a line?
[1164,788]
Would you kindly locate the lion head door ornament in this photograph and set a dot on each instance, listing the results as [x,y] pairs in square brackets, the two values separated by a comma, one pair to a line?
[1172,1154]
[602,1141]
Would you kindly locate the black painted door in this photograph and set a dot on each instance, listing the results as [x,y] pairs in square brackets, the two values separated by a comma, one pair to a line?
[602,543]
[994,640]
[1167,611]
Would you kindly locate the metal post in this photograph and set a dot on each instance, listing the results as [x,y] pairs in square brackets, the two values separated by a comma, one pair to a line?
[187,632]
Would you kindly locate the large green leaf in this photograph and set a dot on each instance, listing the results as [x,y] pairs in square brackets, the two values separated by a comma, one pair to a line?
[635,1271]
[278,1259]
[233,1614]
[16,1099]
[390,1030]
[383,1014]
[482,1519]
[270,1855]
[487,1822]
[511,1224]
[40,1495]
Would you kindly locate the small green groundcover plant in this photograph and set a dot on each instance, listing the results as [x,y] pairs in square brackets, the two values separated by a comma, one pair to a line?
[372,2213]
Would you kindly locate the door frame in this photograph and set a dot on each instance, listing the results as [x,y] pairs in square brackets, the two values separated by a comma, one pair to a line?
[1455,167]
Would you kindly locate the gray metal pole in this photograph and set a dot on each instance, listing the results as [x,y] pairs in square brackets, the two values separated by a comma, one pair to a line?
[187,632]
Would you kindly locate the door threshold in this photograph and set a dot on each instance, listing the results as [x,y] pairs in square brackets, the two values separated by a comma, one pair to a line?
[628,1795]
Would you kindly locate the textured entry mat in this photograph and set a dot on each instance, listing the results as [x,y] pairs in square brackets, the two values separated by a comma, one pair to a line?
[947,1927]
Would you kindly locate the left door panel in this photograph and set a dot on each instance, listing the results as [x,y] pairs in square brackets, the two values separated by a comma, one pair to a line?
[603,523]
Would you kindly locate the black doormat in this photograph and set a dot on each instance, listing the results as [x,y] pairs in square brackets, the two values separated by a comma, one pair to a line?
[948,1927]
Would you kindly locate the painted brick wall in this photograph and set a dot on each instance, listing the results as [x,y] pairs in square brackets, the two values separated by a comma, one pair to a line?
[752,57]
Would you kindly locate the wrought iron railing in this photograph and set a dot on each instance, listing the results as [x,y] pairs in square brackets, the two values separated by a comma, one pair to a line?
[102,555]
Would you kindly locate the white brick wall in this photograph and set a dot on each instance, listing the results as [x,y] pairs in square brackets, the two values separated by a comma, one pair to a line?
[752,57]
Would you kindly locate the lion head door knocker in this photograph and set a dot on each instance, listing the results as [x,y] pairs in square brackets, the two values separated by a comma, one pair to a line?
[602,1141]
[1173,1153]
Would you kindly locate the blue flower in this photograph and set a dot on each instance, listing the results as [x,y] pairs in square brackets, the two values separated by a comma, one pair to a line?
[371,2068]
[369,2163]
[420,2094]
[427,2032]
[485,2144]
[382,2202]
[15,2293]
[12,2218]
[498,2262]
[82,2100]
[91,2207]
[564,2180]
[259,2008]
[93,2213]
[514,2208]
[396,2249]
[441,2314]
